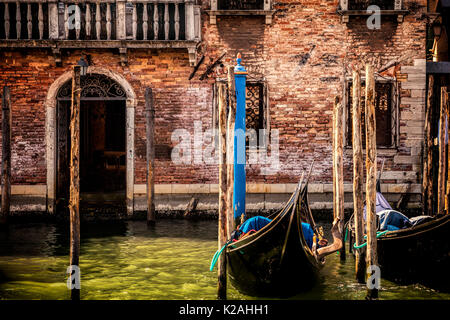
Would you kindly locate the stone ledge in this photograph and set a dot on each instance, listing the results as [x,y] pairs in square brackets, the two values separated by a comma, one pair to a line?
[214,13]
[281,188]
[171,203]
[254,202]
[35,190]
[254,188]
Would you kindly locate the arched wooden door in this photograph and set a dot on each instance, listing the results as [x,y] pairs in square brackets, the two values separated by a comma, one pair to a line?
[102,141]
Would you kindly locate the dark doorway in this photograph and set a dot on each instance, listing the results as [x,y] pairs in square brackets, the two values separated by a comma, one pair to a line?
[102,144]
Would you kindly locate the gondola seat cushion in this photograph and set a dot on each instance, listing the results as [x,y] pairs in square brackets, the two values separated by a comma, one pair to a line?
[255,223]
[308,233]
[391,228]
[391,219]
[420,219]
[258,222]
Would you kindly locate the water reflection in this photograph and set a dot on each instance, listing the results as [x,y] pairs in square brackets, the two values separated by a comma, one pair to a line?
[130,260]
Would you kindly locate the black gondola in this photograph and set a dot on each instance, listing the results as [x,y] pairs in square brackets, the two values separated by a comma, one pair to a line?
[417,254]
[276,260]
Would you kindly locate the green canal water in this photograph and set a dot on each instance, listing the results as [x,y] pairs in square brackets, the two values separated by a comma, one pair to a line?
[129,260]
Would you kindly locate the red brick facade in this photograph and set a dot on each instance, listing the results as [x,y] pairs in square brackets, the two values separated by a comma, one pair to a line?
[300,56]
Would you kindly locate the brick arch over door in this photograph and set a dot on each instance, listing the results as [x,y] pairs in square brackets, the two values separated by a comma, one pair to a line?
[51,126]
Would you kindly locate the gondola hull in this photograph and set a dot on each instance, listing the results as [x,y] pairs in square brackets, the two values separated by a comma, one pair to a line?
[420,254]
[258,265]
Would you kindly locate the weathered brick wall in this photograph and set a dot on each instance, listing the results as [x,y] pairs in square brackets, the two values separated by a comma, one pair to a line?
[300,56]
[28,75]
[178,103]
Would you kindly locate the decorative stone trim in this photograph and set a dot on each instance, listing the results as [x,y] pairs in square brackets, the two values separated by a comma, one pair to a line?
[345,12]
[266,11]
[50,133]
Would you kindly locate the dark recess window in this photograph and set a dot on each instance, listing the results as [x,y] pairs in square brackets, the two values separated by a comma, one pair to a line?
[383,114]
[240,4]
[255,109]
[364,4]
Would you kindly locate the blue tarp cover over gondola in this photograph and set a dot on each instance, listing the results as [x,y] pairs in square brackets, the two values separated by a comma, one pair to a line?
[389,219]
[393,220]
[258,222]
[254,223]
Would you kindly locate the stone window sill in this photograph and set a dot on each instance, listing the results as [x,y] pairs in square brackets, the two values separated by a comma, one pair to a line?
[381,151]
[214,13]
[345,14]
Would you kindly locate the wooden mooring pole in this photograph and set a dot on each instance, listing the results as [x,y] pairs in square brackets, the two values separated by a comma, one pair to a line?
[230,150]
[371,182]
[342,252]
[358,174]
[6,155]
[447,191]
[338,186]
[150,124]
[442,158]
[74,202]
[223,233]
[333,157]
[339,170]
[427,183]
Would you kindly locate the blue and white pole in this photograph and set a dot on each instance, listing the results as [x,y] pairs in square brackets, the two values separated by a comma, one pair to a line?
[240,75]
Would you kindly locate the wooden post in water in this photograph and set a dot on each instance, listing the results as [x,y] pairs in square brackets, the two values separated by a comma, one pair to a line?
[358,174]
[339,169]
[427,183]
[333,156]
[74,201]
[338,215]
[6,155]
[441,168]
[340,173]
[230,150]
[342,252]
[222,263]
[371,181]
[150,124]
[447,192]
